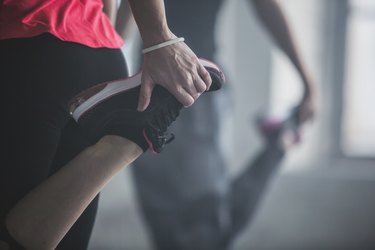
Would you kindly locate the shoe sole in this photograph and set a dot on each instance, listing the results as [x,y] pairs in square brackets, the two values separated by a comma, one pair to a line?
[92,97]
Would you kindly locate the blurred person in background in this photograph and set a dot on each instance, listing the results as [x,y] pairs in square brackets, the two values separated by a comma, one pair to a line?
[186,195]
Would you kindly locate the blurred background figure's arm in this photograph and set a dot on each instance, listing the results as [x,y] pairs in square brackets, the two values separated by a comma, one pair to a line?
[274,19]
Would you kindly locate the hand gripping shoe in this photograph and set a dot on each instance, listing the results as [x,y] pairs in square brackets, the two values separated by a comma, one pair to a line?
[110,108]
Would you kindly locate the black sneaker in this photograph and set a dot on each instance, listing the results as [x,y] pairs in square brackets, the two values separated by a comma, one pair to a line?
[110,108]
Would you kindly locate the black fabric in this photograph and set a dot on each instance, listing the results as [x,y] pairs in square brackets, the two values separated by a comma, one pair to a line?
[116,115]
[38,76]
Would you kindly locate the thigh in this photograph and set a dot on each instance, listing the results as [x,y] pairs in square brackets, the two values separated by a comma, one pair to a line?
[33,127]
[39,75]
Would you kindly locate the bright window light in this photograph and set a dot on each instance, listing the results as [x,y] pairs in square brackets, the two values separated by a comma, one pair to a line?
[358,130]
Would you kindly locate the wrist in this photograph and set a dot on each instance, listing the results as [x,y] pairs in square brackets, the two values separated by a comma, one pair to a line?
[162,45]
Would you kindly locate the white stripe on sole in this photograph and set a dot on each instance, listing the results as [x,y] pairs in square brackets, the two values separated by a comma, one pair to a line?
[111,89]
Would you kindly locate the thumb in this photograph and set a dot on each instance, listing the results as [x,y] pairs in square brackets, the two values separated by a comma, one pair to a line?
[145,93]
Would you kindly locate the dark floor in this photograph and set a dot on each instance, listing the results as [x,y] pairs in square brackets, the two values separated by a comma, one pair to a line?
[320,208]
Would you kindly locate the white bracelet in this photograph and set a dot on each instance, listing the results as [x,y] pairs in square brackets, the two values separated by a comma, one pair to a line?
[163,44]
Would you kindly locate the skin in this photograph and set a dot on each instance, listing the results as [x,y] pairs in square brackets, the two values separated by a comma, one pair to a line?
[42,218]
[181,73]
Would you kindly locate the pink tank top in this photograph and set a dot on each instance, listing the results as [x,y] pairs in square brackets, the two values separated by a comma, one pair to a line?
[80,21]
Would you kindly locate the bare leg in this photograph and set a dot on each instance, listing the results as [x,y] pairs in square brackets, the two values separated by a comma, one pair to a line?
[42,218]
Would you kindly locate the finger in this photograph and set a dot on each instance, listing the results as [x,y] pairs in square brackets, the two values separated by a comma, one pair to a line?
[145,93]
[189,86]
[200,85]
[183,96]
[205,76]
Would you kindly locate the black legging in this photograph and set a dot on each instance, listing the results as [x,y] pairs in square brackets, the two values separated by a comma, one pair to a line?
[38,77]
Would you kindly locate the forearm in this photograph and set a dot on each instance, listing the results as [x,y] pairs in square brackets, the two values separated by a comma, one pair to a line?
[274,19]
[42,218]
[151,21]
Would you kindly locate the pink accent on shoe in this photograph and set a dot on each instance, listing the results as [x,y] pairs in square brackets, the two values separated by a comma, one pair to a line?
[150,145]
[93,96]
[207,63]
[269,126]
